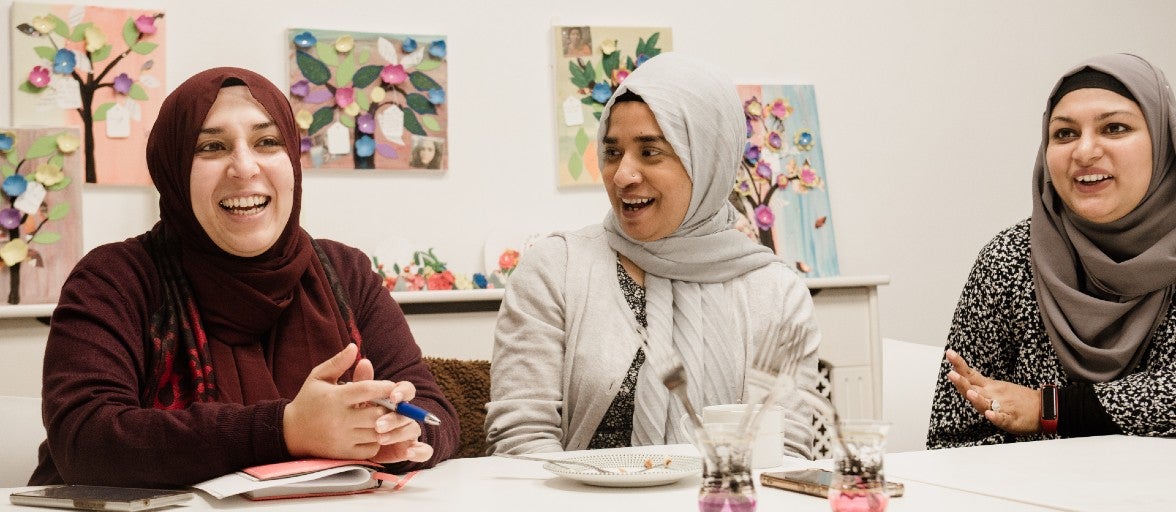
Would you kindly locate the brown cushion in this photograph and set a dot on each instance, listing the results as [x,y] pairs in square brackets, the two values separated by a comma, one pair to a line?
[466,383]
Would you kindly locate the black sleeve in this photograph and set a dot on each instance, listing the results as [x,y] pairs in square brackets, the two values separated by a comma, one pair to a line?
[1080,414]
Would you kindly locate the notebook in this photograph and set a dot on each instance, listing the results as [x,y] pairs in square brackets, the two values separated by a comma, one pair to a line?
[303,478]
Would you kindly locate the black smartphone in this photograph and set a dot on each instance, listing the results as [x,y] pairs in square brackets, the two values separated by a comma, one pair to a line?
[814,482]
[93,497]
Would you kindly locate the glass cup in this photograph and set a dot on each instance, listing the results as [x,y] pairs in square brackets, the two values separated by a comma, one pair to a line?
[727,484]
[859,482]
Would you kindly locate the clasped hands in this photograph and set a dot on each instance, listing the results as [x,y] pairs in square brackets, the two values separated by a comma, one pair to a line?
[335,421]
[1019,410]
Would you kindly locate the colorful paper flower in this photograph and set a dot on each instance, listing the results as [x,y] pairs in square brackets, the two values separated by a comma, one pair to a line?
[305,40]
[409,45]
[608,46]
[48,174]
[344,96]
[601,92]
[304,118]
[753,108]
[123,83]
[436,96]
[804,140]
[437,49]
[14,185]
[808,177]
[365,123]
[68,143]
[763,170]
[43,24]
[377,94]
[743,187]
[775,140]
[64,61]
[764,218]
[7,140]
[145,24]
[780,108]
[480,280]
[13,252]
[352,109]
[39,77]
[305,144]
[393,74]
[751,153]
[300,89]
[619,75]
[10,218]
[345,43]
[365,146]
[441,281]
[508,260]
[642,58]
[95,39]
[782,180]
[749,129]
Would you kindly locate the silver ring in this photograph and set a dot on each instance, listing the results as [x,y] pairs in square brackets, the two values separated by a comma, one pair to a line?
[994,405]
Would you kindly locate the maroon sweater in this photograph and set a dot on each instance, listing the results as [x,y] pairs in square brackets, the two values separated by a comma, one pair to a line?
[96,366]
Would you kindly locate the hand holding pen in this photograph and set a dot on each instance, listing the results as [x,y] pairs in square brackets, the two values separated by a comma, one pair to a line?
[408,411]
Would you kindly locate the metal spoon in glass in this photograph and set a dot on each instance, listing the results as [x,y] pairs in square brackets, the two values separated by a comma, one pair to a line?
[566,463]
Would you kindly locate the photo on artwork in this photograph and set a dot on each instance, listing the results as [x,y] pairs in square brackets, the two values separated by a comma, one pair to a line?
[427,152]
[362,99]
[781,189]
[100,69]
[584,83]
[40,212]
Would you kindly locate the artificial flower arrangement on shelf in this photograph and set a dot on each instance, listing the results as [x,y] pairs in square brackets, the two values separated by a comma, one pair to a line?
[427,272]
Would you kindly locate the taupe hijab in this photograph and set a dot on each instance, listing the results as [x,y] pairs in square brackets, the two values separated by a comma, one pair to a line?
[1103,288]
[701,116]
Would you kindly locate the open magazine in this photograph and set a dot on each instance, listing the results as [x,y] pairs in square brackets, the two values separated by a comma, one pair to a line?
[303,478]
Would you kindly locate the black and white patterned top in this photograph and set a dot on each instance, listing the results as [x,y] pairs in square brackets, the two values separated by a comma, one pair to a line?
[616,427]
[998,330]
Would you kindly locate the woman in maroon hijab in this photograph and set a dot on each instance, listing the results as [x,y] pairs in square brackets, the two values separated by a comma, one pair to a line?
[218,340]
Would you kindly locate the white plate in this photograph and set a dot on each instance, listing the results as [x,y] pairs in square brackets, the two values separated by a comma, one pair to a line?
[628,465]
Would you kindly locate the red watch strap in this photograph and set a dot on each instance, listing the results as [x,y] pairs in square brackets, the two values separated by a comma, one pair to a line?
[1049,410]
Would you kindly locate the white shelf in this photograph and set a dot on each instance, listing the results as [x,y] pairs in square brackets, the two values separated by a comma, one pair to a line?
[26,310]
[448,296]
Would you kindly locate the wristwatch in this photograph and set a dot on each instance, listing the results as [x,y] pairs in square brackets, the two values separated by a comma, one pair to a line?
[1049,409]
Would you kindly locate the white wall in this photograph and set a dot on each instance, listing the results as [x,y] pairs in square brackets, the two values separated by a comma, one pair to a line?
[930,112]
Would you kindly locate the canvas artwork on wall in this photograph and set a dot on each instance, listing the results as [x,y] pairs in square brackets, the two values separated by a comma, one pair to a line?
[40,212]
[590,63]
[370,101]
[781,189]
[96,68]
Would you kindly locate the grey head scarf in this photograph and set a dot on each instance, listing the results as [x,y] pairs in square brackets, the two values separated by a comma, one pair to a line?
[700,114]
[1103,288]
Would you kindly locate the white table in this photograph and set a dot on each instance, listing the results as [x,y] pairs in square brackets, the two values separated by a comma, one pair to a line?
[491,484]
[1090,473]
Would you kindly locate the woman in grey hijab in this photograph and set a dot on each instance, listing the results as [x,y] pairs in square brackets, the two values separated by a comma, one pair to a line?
[1065,327]
[593,318]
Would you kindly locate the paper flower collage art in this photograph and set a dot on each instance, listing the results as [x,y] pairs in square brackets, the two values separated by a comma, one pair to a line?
[426,272]
[99,69]
[781,188]
[40,212]
[370,101]
[590,63]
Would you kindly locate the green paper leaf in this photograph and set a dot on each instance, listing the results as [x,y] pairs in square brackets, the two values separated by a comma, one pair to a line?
[581,140]
[59,26]
[629,64]
[137,92]
[347,121]
[411,123]
[57,160]
[58,211]
[101,54]
[362,55]
[420,104]
[578,79]
[100,112]
[651,44]
[60,185]
[423,82]
[79,32]
[345,71]
[322,117]
[366,75]
[589,73]
[431,123]
[13,158]
[144,47]
[46,237]
[640,46]
[362,99]
[575,167]
[327,53]
[587,100]
[130,33]
[28,87]
[6,170]
[46,52]
[42,147]
[611,62]
[315,71]
[428,65]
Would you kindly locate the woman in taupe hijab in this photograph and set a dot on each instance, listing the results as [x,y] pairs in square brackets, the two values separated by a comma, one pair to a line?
[1065,326]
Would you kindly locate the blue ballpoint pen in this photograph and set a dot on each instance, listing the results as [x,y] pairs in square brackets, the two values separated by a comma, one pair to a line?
[408,410]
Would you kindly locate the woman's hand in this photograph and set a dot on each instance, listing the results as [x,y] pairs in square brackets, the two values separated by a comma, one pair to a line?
[1017,409]
[397,434]
[332,420]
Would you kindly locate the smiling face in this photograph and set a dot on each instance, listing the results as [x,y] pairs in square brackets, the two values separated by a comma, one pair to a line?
[1099,154]
[428,150]
[242,179]
[647,185]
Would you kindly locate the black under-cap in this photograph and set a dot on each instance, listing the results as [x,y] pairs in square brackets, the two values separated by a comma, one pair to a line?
[1090,79]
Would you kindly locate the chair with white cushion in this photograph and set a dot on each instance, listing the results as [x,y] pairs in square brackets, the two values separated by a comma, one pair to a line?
[909,371]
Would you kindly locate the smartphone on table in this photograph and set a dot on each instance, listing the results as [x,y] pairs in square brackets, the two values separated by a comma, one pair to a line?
[93,497]
[814,482]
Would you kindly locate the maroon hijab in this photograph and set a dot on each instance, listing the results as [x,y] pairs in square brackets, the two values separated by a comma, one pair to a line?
[266,320]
